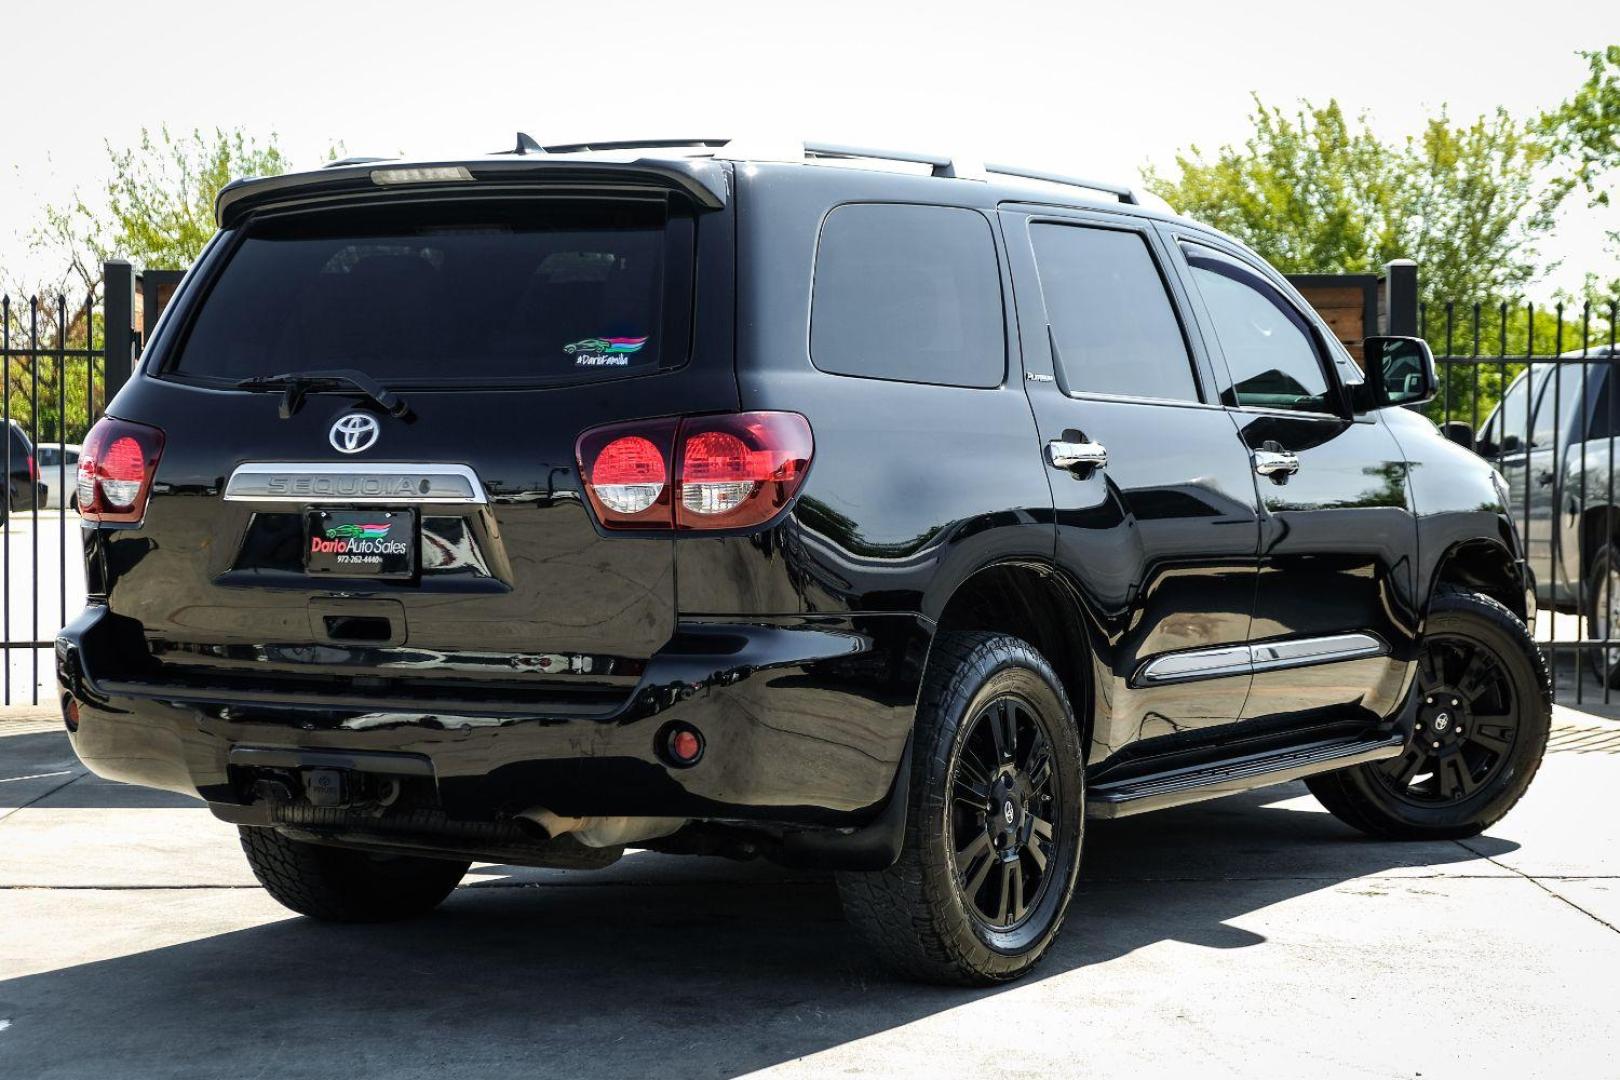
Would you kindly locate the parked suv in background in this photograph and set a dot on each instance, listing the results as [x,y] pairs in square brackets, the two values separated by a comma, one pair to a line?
[788,504]
[1553,438]
[60,459]
[24,490]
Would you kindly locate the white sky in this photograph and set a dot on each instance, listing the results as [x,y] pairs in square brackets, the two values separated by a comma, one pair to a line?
[1091,88]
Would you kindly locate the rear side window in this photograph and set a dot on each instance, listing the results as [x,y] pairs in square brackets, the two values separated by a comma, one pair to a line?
[910,293]
[456,292]
[1112,321]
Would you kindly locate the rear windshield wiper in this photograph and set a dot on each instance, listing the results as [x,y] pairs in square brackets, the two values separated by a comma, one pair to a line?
[298,383]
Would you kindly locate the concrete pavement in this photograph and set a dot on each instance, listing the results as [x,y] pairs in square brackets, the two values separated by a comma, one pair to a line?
[1254,936]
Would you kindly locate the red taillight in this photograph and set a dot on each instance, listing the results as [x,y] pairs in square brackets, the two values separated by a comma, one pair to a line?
[115,470]
[626,473]
[740,470]
[731,472]
[33,469]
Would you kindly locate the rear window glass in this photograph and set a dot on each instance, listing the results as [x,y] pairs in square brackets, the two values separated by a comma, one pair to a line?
[454,292]
[909,293]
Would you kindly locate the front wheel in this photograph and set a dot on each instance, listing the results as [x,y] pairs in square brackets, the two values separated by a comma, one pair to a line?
[1483,708]
[343,885]
[993,829]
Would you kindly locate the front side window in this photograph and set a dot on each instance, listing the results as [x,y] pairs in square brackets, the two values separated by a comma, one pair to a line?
[1508,426]
[1112,322]
[468,291]
[1560,398]
[1269,347]
[908,293]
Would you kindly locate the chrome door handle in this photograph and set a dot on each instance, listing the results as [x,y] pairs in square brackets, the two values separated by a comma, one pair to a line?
[1277,464]
[1077,455]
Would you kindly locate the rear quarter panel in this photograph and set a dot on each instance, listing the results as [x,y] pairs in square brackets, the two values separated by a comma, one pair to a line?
[913,487]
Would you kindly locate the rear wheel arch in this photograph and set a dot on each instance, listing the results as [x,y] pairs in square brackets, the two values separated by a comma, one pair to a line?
[1483,566]
[1031,601]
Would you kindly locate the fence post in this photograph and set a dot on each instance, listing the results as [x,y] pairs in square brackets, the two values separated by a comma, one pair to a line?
[1400,306]
[118,335]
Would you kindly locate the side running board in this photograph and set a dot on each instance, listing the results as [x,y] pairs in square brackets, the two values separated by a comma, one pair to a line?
[1174,787]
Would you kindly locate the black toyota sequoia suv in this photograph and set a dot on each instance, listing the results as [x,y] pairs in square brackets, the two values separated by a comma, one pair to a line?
[850,509]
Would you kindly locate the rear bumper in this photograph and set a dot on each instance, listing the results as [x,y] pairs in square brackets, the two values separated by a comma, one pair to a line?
[805,721]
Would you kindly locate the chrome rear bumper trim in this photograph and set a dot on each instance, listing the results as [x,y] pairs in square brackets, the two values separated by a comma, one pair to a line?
[389,482]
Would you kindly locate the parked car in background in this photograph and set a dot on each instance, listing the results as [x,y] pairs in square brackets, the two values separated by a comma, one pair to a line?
[24,490]
[56,461]
[1553,436]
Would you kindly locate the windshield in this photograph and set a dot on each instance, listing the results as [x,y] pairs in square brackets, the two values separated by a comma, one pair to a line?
[456,292]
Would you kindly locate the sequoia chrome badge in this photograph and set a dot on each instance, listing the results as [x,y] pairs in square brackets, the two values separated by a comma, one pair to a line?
[353,482]
[354,432]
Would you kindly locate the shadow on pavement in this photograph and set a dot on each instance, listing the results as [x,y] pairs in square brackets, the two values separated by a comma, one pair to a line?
[660,966]
[39,768]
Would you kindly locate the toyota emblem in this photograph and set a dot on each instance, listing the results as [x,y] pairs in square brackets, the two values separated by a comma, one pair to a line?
[354,432]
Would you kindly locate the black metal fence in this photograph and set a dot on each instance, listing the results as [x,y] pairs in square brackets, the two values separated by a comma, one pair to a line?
[61,359]
[1537,392]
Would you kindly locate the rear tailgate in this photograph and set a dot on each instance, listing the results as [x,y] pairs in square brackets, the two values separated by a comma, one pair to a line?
[508,325]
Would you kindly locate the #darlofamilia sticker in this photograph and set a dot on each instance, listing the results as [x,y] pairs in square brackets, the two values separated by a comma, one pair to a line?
[604,351]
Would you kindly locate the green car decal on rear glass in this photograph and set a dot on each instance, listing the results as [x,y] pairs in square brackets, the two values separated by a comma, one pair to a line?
[621,346]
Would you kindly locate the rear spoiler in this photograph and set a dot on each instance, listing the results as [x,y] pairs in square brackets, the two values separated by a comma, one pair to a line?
[702,180]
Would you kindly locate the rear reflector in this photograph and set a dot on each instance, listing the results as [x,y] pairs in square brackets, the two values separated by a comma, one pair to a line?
[682,745]
[115,470]
[731,471]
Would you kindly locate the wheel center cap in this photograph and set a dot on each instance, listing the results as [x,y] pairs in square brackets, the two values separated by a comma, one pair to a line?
[1009,812]
[1442,721]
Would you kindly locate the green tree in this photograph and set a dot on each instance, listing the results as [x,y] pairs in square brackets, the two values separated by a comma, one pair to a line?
[156,210]
[1586,128]
[1315,192]
[157,207]
[1310,191]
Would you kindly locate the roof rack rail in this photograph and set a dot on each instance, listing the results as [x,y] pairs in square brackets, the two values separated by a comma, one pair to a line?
[942,165]
[938,163]
[1119,191]
[630,144]
[354,161]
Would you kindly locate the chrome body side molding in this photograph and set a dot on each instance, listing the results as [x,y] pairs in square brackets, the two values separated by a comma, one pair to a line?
[353,482]
[1267,656]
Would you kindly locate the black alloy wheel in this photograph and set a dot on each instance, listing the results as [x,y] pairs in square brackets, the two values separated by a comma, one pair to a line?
[995,819]
[1480,710]
[1466,726]
[1004,803]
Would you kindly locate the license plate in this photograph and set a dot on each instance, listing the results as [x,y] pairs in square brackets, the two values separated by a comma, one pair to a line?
[360,543]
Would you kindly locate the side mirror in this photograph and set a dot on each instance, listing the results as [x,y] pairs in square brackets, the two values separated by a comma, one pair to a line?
[1460,432]
[1401,370]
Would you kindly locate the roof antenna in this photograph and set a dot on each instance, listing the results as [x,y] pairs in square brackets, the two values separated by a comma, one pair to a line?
[527,145]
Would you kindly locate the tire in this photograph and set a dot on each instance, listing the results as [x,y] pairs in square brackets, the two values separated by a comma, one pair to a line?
[1490,719]
[1602,602]
[919,915]
[342,885]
